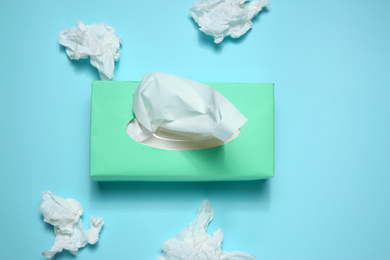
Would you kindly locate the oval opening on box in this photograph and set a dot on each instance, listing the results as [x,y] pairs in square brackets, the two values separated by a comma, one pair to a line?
[172,140]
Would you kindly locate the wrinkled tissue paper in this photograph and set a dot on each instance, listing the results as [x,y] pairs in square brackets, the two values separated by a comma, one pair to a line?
[169,106]
[220,18]
[64,215]
[193,242]
[97,41]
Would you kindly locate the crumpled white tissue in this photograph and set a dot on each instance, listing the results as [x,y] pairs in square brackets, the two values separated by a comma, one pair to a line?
[183,107]
[97,41]
[194,243]
[64,215]
[220,18]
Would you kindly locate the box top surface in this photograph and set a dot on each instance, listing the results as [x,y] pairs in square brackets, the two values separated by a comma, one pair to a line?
[116,156]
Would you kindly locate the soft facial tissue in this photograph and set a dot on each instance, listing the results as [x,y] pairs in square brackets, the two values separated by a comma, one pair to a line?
[98,41]
[220,18]
[64,215]
[193,242]
[177,113]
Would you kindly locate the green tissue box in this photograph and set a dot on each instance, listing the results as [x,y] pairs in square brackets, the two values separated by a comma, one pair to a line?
[115,156]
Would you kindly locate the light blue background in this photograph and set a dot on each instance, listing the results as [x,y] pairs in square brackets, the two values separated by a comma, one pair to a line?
[330,64]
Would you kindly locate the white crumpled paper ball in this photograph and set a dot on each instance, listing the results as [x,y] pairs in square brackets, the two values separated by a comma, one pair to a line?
[221,18]
[97,41]
[193,242]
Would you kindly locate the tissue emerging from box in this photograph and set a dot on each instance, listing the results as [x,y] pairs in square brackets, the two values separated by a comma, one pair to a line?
[172,107]
[220,18]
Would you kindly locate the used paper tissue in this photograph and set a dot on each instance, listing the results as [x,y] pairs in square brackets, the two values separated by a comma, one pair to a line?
[220,18]
[193,242]
[98,41]
[177,113]
[64,215]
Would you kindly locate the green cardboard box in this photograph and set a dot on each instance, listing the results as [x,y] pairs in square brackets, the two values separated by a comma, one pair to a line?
[115,156]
